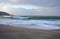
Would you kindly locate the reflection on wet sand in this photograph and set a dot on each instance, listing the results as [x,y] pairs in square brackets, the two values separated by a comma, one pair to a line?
[11,32]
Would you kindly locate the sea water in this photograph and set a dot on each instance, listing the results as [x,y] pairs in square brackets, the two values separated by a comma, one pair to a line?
[43,23]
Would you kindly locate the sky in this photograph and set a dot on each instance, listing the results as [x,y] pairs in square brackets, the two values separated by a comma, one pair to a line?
[31,7]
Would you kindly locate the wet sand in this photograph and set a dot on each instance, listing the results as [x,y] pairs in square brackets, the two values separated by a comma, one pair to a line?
[43,27]
[11,32]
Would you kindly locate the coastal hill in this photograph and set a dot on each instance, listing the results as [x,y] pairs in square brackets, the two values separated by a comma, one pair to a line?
[4,13]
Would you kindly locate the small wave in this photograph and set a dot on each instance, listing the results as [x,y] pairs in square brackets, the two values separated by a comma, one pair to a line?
[32,17]
[31,22]
[44,24]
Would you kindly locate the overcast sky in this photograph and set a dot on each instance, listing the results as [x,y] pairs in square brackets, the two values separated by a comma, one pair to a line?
[31,7]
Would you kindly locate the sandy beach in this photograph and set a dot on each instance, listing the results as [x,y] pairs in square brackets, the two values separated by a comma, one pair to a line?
[11,32]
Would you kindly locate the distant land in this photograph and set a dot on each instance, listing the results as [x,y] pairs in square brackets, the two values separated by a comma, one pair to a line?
[29,17]
[4,13]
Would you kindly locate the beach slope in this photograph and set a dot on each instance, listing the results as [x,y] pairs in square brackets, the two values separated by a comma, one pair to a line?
[11,32]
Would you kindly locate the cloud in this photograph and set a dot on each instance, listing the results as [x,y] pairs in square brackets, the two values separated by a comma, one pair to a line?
[32,7]
[44,2]
[31,10]
[47,3]
[22,6]
[14,1]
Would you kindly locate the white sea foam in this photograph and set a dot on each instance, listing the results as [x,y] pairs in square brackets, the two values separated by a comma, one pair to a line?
[42,24]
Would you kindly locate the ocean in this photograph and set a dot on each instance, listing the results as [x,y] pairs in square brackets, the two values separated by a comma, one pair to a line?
[52,22]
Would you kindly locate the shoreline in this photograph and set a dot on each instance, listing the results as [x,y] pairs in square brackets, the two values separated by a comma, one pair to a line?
[36,26]
[11,32]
